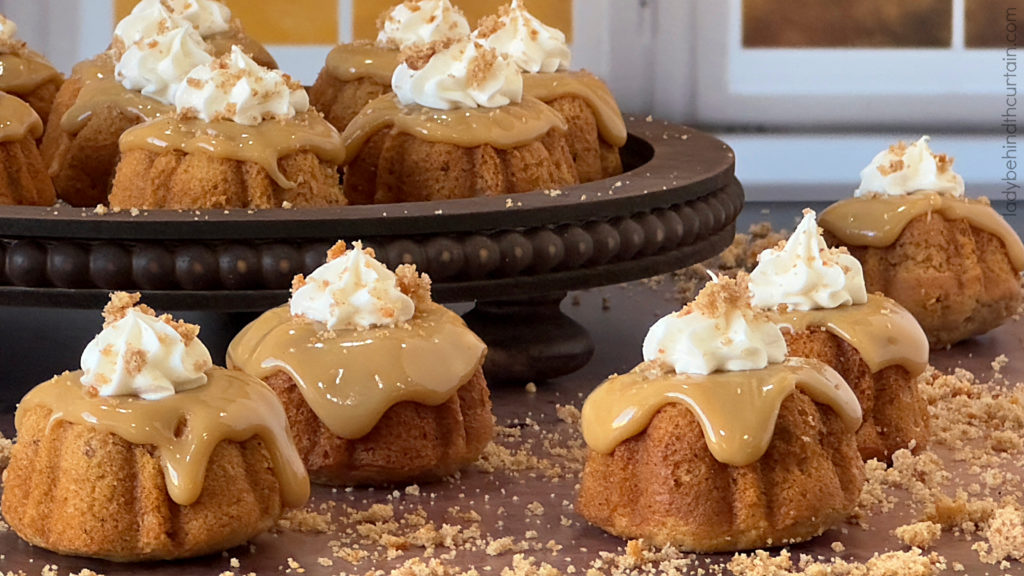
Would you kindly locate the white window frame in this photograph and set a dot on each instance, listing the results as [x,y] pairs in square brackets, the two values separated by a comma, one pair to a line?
[780,87]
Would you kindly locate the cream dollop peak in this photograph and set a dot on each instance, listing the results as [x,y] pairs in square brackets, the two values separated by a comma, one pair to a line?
[141,354]
[719,330]
[905,169]
[457,74]
[234,87]
[354,291]
[805,274]
[420,22]
[532,45]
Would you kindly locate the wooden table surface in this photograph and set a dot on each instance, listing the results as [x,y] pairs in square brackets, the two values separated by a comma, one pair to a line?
[527,499]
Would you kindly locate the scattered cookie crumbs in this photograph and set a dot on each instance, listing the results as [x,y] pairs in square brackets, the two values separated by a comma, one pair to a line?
[1000,362]
[568,414]
[531,387]
[919,534]
[305,520]
[1005,536]
[500,546]
[909,563]
[5,452]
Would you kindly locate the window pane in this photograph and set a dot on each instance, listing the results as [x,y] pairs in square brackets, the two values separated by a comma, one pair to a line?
[300,22]
[557,13]
[987,21]
[847,23]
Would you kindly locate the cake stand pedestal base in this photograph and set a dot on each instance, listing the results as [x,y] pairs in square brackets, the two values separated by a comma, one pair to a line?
[529,339]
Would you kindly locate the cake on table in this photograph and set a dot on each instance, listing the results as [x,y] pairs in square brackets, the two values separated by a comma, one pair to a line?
[953,262]
[24,178]
[359,74]
[25,73]
[149,452]
[596,130]
[818,295]
[356,73]
[457,126]
[240,136]
[718,442]
[134,81]
[381,385]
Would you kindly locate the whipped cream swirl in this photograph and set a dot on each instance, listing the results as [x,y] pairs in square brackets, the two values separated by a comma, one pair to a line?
[236,88]
[717,331]
[158,66]
[466,74]
[352,291]
[421,22]
[147,19]
[207,16]
[806,274]
[906,169]
[144,355]
[8,29]
[529,43]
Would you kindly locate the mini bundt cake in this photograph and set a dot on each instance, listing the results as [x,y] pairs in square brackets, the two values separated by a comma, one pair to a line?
[819,297]
[153,49]
[381,385]
[149,452]
[354,74]
[243,136]
[90,113]
[719,444]
[954,263]
[458,126]
[596,130]
[24,176]
[25,73]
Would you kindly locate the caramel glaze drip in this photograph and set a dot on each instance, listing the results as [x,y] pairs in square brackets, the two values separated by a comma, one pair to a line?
[348,62]
[18,120]
[264,144]
[736,410]
[23,72]
[350,378]
[882,331]
[100,89]
[550,86]
[877,221]
[505,128]
[231,406]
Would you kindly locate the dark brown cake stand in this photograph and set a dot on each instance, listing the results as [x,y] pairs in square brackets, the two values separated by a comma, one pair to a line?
[516,256]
